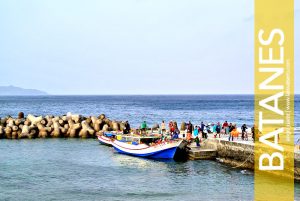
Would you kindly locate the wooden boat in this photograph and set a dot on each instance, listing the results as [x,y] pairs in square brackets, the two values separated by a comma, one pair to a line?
[106,138]
[146,147]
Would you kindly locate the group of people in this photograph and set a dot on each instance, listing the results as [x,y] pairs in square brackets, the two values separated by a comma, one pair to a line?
[201,131]
[173,128]
[231,130]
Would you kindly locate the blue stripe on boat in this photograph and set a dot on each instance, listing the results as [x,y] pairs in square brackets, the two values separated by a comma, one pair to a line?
[166,153]
[109,134]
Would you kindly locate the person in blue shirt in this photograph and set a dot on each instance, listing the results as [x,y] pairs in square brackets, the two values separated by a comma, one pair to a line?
[196,132]
[202,126]
[218,129]
[214,127]
[176,134]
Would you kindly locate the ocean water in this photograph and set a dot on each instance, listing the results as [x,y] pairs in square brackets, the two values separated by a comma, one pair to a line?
[153,109]
[75,169]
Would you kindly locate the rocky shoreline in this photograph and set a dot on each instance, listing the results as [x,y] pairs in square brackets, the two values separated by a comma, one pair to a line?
[66,126]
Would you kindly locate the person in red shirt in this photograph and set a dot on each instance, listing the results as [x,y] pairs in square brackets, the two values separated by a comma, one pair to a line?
[225,127]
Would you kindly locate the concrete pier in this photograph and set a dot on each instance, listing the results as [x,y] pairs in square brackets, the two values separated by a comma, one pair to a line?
[202,154]
[238,154]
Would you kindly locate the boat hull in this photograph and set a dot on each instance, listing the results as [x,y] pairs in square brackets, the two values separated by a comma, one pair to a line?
[105,140]
[157,152]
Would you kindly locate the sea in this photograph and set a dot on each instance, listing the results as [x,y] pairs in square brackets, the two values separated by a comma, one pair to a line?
[76,169]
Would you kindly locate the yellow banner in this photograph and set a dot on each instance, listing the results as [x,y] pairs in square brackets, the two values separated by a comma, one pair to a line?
[274,100]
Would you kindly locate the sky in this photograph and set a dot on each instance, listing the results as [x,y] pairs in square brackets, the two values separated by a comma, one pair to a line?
[131,46]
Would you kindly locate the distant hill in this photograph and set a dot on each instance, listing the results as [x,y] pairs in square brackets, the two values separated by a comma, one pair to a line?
[18,91]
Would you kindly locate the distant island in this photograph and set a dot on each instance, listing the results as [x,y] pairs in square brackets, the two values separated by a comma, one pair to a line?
[18,91]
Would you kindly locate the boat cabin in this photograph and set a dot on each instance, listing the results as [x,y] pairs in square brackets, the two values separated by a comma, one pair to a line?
[140,140]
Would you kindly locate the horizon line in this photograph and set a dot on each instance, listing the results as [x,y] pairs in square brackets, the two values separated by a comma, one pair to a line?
[134,94]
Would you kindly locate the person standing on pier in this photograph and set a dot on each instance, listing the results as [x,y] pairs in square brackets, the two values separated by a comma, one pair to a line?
[255,133]
[196,132]
[230,129]
[202,126]
[234,133]
[244,132]
[189,131]
[214,126]
[225,127]
[197,140]
[204,131]
[218,129]
[190,127]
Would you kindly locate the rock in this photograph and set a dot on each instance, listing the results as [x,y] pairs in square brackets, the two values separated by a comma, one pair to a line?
[19,122]
[61,122]
[105,127]
[101,116]
[115,126]
[21,115]
[66,126]
[15,128]
[2,133]
[33,132]
[73,128]
[49,121]
[10,122]
[3,122]
[44,122]
[109,123]
[43,132]
[14,135]
[56,129]
[88,121]
[64,131]
[34,120]
[8,132]
[96,123]
[122,126]
[25,132]
[59,126]
[76,118]
[86,130]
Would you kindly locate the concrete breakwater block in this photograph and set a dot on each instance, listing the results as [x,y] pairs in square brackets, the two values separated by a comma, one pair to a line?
[67,126]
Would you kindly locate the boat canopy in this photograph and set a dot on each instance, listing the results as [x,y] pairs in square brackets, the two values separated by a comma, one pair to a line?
[140,139]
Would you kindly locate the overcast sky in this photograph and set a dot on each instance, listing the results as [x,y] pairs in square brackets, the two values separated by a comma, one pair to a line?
[130,46]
